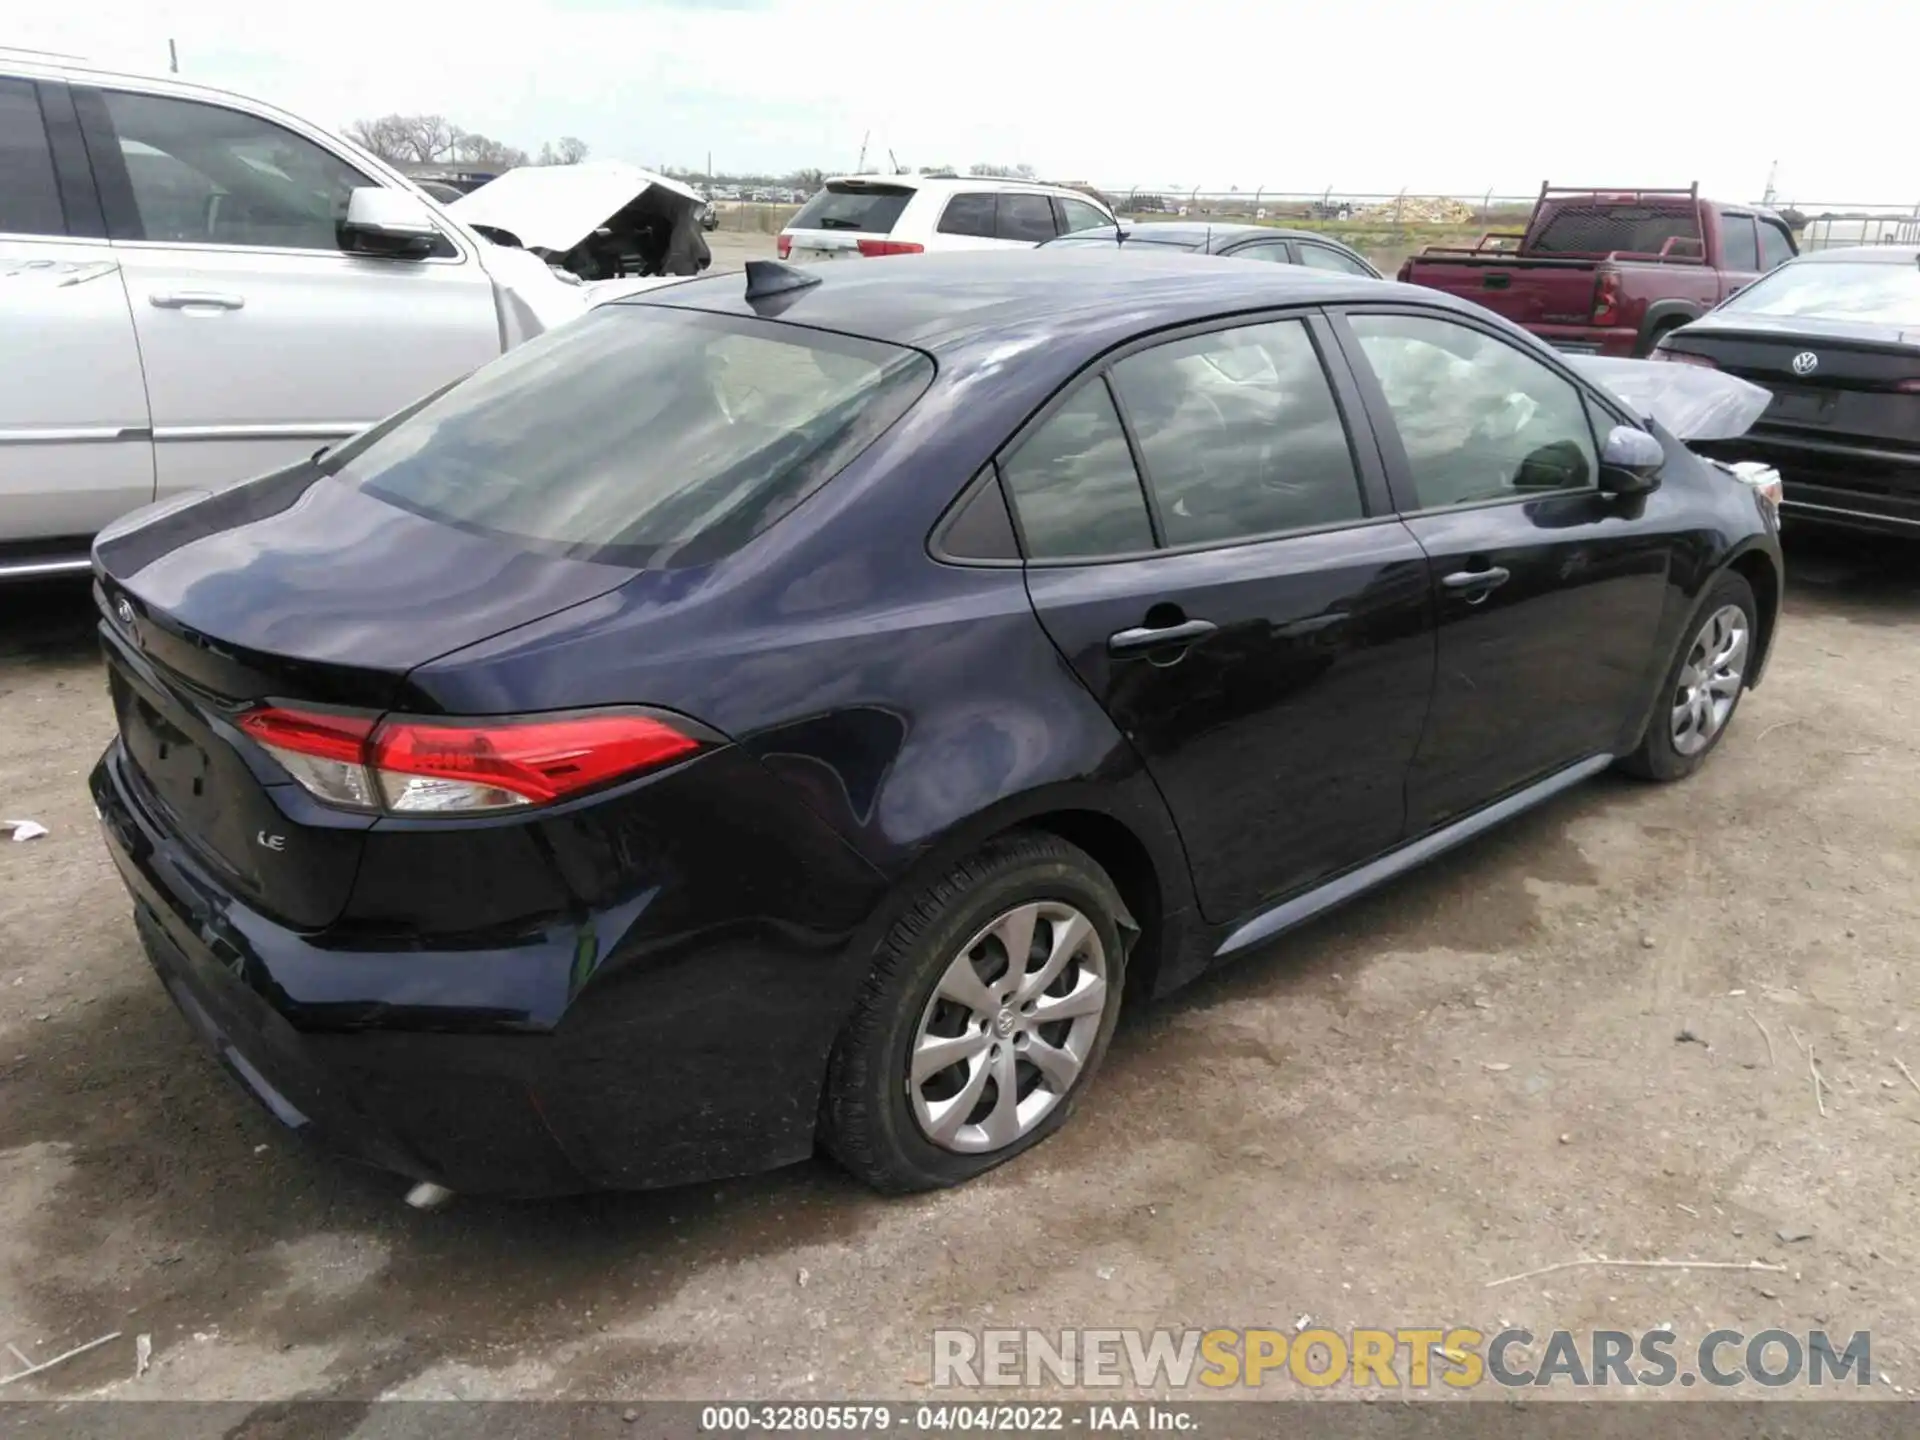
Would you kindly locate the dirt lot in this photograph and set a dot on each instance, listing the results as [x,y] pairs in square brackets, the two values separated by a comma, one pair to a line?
[1473,1074]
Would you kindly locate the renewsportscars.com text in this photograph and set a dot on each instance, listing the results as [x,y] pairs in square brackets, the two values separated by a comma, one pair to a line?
[1404,1357]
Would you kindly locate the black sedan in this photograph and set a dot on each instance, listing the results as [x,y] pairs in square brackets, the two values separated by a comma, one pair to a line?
[794,711]
[1243,242]
[1835,336]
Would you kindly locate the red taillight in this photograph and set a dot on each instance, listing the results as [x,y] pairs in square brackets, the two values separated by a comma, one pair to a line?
[1606,298]
[1682,357]
[526,762]
[1406,272]
[875,248]
[784,245]
[415,765]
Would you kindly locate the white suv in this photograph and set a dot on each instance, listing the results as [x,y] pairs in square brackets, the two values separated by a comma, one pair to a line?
[196,288]
[872,215]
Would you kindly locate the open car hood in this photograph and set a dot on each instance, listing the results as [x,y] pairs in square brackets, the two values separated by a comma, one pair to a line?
[1691,401]
[555,207]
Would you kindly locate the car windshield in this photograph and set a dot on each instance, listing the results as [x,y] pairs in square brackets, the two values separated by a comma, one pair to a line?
[1600,228]
[1886,294]
[640,434]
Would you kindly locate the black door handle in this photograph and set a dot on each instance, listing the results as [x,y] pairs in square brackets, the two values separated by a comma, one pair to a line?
[1482,581]
[1150,637]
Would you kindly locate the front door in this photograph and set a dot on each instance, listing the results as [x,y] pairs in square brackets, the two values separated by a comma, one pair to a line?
[1549,593]
[1258,631]
[262,340]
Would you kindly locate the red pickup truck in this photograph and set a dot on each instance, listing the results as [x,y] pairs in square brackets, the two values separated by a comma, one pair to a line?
[1608,272]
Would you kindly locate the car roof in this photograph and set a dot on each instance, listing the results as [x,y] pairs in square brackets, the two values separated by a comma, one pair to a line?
[1075,298]
[1200,232]
[1870,254]
[955,182]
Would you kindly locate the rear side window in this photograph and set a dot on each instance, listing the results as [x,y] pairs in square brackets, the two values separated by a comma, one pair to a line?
[968,215]
[870,209]
[1739,244]
[641,435]
[1240,435]
[1599,229]
[1073,484]
[1024,217]
[1274,252]
[29,194]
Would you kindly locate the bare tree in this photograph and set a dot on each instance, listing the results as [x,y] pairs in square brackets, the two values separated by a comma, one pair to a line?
[807,181]
[571,150]
[472,148]
[403,139]
[1003,172]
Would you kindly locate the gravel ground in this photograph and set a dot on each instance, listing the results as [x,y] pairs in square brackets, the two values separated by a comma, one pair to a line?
[1471,1074]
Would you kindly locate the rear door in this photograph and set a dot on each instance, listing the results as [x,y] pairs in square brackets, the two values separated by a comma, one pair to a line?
[75,448]
[262,338]
[1549,593]
[832,224]
[1217,561]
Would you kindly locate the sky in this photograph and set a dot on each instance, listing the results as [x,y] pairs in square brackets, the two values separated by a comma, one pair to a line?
[1366,96]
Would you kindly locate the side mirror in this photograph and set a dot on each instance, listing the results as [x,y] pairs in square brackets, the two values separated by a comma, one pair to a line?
[388,222]
[1630,462]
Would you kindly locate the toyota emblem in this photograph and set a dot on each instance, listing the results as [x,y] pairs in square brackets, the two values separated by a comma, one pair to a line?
[123,610]
[1805,363]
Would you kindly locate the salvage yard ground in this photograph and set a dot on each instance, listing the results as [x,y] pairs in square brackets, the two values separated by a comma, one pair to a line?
[1472,1074]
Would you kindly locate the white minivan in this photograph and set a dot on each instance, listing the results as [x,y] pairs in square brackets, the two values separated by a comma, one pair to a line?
[872,215]
[196,288]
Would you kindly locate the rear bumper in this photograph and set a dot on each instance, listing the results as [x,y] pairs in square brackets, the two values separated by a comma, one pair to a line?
[1835,483]
[671,1058]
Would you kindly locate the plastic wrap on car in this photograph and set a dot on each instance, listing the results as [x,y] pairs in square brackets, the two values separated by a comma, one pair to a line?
[1693,402]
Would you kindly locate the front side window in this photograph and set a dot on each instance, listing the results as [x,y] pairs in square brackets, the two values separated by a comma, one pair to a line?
[1024,217]
[29,194]
[1079,215]
[1323,257]
[206,175]
[968,214]
[1073,484]
[1479,419]
[641,435]
[1239,434]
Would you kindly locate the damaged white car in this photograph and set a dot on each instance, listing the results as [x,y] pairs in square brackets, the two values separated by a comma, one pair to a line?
[602,220]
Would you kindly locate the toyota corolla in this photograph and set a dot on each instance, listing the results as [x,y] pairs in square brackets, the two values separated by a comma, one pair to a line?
[794,711]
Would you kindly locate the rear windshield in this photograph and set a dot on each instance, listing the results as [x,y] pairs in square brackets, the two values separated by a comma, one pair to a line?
[639,434]
[1886,294]
[871,209]
[1600,229]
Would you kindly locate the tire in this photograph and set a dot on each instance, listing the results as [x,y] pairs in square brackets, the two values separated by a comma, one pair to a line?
[875,1119]
[1647,346]
[1673,748]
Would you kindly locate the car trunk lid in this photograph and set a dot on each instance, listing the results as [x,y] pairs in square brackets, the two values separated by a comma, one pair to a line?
[1827,379]
[297,590]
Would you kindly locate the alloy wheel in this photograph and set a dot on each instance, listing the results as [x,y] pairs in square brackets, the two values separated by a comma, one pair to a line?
[1009,1028]
[1710,681]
